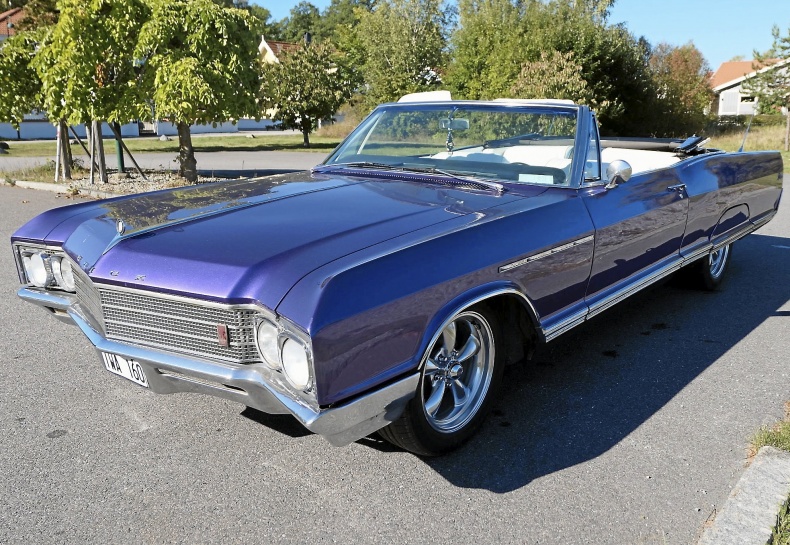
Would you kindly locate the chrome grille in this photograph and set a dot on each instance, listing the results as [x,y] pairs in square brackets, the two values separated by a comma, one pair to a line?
[182,326]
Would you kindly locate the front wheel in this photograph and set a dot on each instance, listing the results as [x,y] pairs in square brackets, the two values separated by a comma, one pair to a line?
[461,373]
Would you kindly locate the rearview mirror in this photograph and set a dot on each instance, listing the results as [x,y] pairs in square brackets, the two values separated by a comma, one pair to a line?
[618,172]
[455,124]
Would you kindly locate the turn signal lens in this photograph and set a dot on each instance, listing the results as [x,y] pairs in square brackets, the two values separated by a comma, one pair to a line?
[67,276]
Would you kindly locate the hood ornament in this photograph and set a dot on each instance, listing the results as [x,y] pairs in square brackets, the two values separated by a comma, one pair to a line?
[120,227]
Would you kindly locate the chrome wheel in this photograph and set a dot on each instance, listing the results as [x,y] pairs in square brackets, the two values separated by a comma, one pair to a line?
[717,261]
[457,373]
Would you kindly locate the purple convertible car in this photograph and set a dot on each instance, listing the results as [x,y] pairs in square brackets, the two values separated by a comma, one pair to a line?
[386,289]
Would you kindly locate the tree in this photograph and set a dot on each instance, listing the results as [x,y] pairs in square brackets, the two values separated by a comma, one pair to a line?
[340,14]
[20,87]
[682,81]
[198,67]
[771,85]
[496,38]
[39,13]
[405,47]
[307,85]
[86,63]
[304,18]
[555,75]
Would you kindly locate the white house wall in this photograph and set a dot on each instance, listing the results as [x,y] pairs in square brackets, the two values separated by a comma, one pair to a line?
[43,130]
[730,102]
[165,128]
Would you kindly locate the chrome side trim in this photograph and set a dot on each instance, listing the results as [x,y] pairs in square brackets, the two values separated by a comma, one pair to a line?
[566,325]
[552,251]
[637,285]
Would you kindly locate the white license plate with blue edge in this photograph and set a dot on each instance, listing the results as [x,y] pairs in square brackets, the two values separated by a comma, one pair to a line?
[126,368]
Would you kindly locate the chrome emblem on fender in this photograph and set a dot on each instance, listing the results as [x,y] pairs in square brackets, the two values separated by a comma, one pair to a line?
[114,273]
[222,335]
[140,277]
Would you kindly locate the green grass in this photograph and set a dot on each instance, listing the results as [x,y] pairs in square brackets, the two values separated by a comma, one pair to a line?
[202,143]
[41,173]
[759,138]
[777,436]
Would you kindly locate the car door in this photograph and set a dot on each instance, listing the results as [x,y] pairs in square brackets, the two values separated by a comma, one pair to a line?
[639,227]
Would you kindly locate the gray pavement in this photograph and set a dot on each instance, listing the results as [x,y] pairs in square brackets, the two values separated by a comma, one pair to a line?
[631,429]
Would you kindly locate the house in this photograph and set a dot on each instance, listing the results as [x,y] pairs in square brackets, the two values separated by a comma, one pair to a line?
[732,96]
[8,21]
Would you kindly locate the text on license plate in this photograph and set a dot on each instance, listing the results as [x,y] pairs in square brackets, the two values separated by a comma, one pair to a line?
[129,369]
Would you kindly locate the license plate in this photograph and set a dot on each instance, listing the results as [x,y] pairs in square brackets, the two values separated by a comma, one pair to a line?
[128,369]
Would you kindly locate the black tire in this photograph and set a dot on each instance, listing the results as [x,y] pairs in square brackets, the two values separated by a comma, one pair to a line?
[708,273]
[439,418]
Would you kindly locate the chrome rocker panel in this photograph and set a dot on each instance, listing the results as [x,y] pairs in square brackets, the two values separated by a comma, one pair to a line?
[169,373]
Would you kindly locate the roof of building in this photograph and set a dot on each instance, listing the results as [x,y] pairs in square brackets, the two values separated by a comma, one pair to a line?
[13,16]
[733,72]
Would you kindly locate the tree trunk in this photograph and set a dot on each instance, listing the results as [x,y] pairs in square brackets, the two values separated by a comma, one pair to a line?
[306,126]
[66,159]
[98,140]
[186,153]
[787,128]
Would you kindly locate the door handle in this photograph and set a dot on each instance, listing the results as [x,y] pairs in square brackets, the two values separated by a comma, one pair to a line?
[680,189]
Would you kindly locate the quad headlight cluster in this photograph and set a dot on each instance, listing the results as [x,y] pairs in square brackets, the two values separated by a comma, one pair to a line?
[283,350]
[46,269]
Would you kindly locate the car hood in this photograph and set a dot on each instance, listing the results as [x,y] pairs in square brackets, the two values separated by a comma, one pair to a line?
[252,240]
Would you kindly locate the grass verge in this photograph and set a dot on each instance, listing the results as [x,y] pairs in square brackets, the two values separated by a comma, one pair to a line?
[40,173]
[777,436]
[760,138]
[206,144]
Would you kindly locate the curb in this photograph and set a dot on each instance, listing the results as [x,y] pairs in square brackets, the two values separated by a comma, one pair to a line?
[42,186]
[749,514]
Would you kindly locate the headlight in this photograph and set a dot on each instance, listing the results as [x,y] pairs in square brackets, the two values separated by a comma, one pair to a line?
[267,338]
[45,267]
[67,276]
[38,269]
[296,364]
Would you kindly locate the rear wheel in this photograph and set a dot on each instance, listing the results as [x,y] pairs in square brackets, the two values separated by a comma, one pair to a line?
[708,272]
[460,374]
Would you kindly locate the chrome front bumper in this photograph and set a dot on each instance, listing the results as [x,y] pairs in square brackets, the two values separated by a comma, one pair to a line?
[169,373]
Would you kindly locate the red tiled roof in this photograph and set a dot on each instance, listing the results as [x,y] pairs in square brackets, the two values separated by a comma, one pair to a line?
[734,70]
[279,47]
[12,16]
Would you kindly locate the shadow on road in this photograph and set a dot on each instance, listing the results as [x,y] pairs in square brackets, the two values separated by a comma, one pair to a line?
[592,387]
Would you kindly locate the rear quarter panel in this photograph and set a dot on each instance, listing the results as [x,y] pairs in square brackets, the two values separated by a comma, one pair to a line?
[727,190]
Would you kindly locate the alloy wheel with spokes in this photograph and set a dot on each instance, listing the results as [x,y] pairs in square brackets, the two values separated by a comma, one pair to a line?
[460,374]
[717,261]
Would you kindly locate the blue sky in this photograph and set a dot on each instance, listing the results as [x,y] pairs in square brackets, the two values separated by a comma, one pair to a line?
[721,29]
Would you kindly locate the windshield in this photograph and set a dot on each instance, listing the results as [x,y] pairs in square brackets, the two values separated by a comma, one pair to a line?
[515,144]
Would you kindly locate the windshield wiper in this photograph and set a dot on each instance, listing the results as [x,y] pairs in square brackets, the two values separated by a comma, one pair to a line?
[480,183]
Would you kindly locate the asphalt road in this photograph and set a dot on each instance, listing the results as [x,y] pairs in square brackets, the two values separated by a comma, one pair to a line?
[630,429]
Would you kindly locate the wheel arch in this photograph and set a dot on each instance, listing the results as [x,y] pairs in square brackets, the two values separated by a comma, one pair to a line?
[511,305]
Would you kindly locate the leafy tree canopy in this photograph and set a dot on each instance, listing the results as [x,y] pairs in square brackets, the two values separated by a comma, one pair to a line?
[772,86]
[309,84]
[682,81]
[404,46]
[20,87]
[86,63]
[198,67]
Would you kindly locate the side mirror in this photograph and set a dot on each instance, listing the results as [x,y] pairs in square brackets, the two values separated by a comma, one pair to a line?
[618,172]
